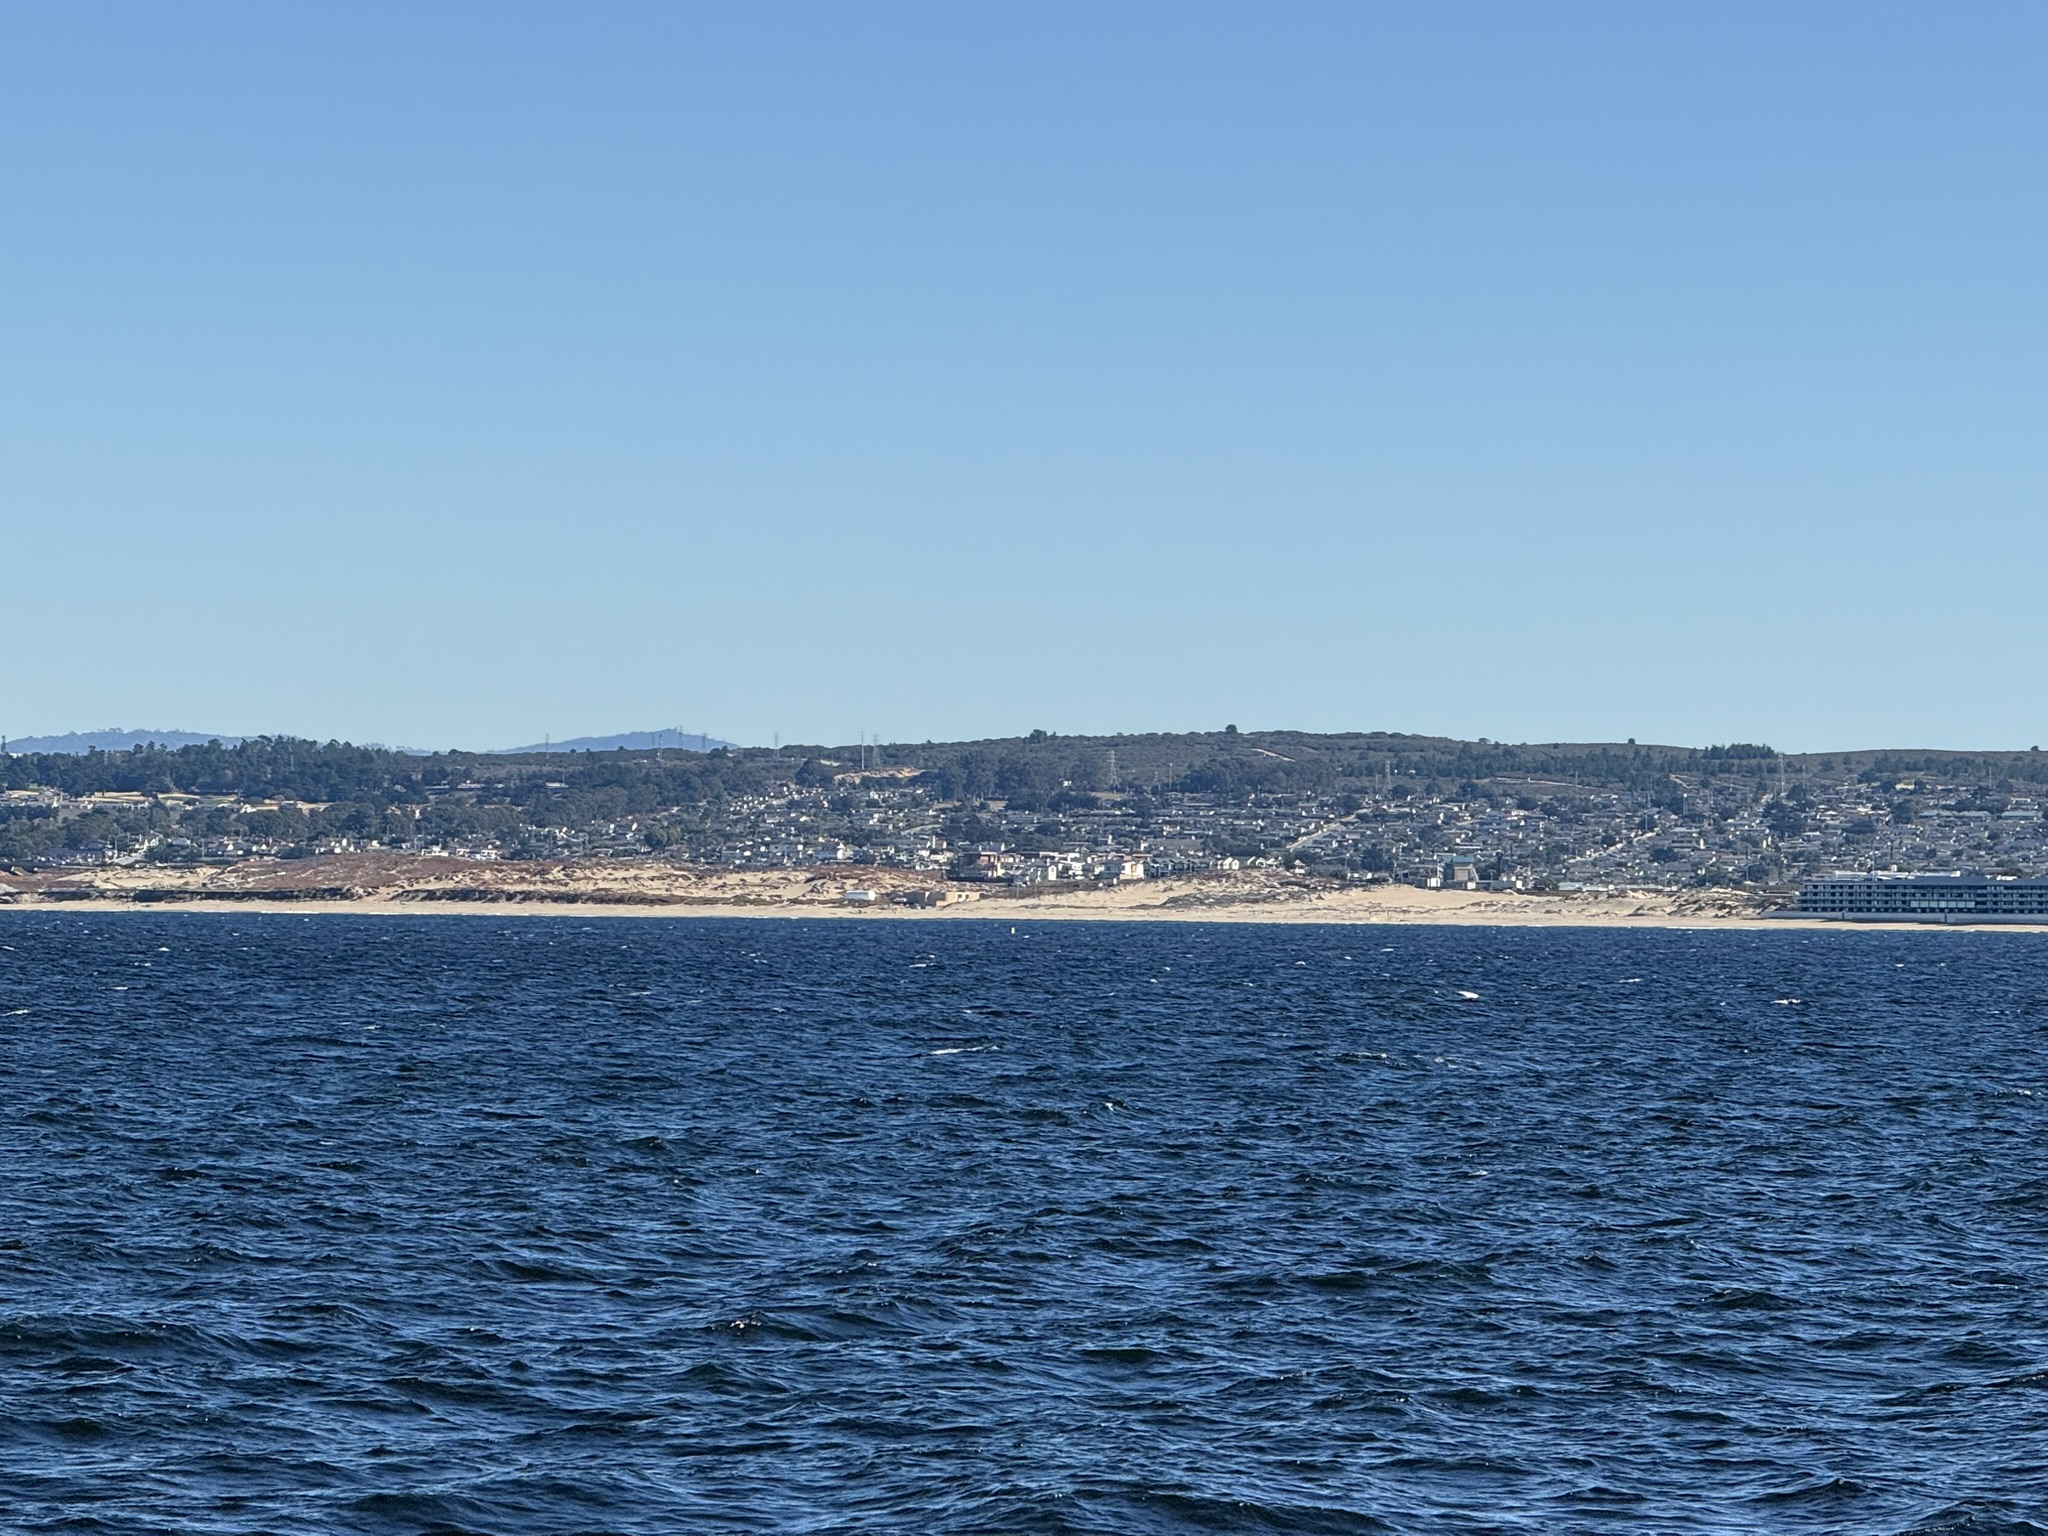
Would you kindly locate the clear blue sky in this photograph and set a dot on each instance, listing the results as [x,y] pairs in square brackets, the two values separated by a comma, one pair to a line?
[458,374]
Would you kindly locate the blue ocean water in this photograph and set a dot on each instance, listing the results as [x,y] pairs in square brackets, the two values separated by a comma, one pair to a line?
[461,1224]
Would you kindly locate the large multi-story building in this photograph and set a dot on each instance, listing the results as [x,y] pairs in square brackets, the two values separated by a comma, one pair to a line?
[1923,898]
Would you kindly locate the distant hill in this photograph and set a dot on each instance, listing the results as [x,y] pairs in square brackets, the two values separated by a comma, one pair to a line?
[82,742]
[78,743]
[631,741]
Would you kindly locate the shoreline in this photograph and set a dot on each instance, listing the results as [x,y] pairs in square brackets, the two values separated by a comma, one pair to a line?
[385,885]
[1260,915]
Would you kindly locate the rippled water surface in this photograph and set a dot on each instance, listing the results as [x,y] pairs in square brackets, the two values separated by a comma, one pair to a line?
[460,1224]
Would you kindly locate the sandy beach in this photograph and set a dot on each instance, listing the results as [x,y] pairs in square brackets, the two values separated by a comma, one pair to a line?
[381,885]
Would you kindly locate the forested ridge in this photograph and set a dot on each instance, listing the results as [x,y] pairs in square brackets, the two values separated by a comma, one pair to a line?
[1219,762]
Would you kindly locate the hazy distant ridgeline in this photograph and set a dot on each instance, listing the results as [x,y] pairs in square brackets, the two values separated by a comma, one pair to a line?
[116,741]
[630,741]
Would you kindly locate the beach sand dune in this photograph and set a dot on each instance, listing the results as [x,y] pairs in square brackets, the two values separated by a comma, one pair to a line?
[399,883]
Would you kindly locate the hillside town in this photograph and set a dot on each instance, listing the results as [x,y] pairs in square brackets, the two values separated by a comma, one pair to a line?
[1755,824]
